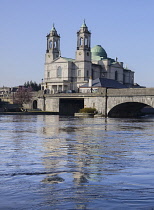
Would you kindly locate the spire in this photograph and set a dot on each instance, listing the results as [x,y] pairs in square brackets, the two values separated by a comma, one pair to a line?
[53,31]
[53,27]
[84,24]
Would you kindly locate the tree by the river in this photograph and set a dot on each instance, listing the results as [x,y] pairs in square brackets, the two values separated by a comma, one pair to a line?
[23,95]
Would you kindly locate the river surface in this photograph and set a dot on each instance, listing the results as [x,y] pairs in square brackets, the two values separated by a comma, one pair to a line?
[52,162]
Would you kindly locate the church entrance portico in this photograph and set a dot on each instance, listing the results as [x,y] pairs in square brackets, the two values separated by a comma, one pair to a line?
[54,89]
[59,88]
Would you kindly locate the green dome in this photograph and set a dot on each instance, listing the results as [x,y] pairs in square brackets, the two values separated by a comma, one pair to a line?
[98,52]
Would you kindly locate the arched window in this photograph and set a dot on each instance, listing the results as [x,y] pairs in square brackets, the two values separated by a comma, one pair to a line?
[59,72]
[50,44]
[81,41]
[55,44]
[86,42]
[116,75]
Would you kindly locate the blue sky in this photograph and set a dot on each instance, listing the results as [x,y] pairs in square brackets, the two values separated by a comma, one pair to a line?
[124,28]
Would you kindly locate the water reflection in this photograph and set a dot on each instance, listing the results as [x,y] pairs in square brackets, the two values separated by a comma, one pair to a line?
[53,162]
[50,125]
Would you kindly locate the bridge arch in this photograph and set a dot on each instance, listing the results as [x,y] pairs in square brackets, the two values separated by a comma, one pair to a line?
[127,109]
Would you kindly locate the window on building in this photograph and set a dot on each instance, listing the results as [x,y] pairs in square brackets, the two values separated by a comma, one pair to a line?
[48,75]
[87,73]
[93,75]
[50,44]
[79,73]
[124,78]
[55,44]
[86,41]
[81,41]
[59,72]
[116,75]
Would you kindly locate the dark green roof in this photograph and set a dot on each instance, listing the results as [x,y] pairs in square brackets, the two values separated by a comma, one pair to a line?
[98,53]
[104,82]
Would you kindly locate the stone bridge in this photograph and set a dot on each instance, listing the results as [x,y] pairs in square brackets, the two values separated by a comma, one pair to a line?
[128,102]
[109,102]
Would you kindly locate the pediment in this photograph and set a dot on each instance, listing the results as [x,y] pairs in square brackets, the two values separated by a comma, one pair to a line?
[62,60]
[59,60]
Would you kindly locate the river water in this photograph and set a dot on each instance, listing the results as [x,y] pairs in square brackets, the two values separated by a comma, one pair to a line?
[52,162]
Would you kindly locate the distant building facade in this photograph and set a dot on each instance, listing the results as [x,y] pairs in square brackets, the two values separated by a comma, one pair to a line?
[63,74]
[5,91]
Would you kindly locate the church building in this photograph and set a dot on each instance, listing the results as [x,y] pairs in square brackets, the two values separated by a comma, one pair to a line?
[65,74]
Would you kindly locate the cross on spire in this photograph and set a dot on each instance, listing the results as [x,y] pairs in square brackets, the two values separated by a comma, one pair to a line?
[84,24]
[53,27]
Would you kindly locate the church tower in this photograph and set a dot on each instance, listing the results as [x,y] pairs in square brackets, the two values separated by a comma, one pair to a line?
[53,45]
[83,53]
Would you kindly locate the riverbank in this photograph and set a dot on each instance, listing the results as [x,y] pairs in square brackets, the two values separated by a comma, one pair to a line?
[29,113]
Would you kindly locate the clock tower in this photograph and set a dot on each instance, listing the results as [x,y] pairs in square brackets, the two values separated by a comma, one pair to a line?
[53,45]
[83,53]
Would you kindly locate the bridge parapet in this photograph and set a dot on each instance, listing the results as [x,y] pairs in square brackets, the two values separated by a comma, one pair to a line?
[74,95]
[109,92]
[131,92]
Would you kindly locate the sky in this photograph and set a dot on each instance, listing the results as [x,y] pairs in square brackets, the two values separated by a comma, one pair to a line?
[124,28]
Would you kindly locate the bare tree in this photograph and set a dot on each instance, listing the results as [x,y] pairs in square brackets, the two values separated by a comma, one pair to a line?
[23,95]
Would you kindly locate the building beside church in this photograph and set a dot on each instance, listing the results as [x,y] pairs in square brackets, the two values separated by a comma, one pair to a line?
[63,74]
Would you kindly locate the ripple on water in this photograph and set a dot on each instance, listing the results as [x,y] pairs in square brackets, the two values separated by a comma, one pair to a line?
[52,162]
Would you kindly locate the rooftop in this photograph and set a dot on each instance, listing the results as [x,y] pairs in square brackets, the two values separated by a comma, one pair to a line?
[104,82]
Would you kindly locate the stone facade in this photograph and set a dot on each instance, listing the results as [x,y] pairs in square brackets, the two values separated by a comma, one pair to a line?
[63,74]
